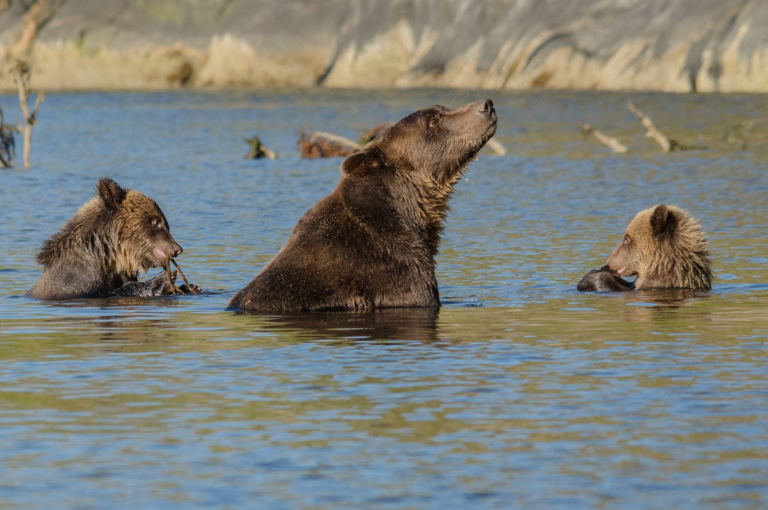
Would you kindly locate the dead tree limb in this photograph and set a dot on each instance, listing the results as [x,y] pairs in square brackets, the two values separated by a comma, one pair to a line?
[338,139]
[608,141]
[651,131]
[30,119]
[319,144]
[18,57]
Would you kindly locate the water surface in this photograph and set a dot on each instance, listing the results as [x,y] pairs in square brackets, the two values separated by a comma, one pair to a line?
[519,392]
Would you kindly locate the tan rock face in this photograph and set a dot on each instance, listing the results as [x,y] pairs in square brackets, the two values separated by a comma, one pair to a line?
[678,45]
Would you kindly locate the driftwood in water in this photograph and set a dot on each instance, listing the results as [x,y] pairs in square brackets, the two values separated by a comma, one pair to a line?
[651,131]
[7,143]
[497,147]
[608,141]
[257,151]
[326,145]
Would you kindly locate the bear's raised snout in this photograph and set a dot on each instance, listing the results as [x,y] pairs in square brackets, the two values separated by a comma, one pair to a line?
[486,108]
[177,250]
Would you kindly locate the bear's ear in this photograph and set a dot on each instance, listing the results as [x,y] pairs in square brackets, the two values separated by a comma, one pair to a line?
[663,221]
[363,162]
[110,192]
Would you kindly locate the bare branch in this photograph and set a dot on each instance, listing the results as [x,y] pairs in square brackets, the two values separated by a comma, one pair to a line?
[496,147]
[40,99]
[608,141]
[335,138]
[651,131]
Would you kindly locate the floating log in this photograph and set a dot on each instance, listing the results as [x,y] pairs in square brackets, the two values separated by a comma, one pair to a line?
[257,151]
[319,144]
[608,141]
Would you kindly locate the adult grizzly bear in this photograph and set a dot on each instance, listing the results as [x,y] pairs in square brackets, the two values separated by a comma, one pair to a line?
[664,246]
[101,249]
[372,242]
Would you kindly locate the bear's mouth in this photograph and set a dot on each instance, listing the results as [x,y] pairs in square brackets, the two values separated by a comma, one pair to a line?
[160,256]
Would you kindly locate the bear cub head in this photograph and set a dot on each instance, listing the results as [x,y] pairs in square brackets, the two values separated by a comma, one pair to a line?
[665,248]
[123,228]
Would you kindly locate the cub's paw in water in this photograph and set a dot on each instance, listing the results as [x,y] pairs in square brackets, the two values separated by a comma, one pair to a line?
[187,289]
[157,286]
[664,247]
[100,251]
[602,280]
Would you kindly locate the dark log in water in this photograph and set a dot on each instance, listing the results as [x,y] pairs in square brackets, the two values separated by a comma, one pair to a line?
[319,144]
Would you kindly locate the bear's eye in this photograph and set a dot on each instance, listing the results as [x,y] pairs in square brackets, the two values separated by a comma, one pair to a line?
[156,223]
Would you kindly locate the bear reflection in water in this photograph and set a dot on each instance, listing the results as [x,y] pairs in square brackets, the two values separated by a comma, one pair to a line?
[372,242]
[664,247]
[407,324]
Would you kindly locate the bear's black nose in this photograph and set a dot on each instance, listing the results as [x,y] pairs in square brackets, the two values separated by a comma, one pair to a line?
[486,107]
[177,251]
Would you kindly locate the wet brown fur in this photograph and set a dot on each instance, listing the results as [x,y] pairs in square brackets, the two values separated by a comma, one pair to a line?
[371,243]
[104,245]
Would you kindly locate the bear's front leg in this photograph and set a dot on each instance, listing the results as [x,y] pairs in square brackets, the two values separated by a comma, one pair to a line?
[602,280]
[157,286]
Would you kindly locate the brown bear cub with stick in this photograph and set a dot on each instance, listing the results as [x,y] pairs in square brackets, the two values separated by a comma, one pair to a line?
[372,242]
[101,249]
[664,247]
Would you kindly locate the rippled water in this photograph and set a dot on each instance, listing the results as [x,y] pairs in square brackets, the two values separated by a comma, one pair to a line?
[520,392]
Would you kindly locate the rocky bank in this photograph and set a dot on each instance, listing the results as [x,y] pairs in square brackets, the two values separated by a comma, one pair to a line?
[668,45]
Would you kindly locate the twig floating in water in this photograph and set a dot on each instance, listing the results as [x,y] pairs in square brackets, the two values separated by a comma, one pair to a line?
[189,285]
[608,141]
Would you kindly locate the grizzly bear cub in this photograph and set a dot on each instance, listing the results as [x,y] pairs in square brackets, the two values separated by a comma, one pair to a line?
[372,242]
[101,249]
[664,247]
